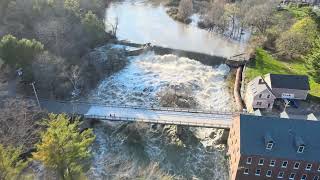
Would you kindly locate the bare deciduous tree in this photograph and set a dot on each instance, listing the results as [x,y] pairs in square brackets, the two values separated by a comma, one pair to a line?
[74,76]
[114,27]
[185,9]
[18,123]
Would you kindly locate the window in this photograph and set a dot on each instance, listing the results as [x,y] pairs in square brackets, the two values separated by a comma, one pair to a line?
[261,161]
[269,105]
[281,174]
[269,145]
[269,172]
[268,96]
[259,103]
[300,149]
[284,164]
[319,168]
[258,171]
[292,175]
[316,178]
[246,171]
[249,160]
[308,167]
[272,163]
[296,165]
[304,177]
[260,96]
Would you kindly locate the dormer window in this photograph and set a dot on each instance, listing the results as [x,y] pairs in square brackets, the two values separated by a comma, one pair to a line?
[299,144]
[300,149]
[268,141]
[269,145]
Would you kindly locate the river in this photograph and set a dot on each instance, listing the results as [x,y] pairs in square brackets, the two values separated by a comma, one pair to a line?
[133,151]
[145,22]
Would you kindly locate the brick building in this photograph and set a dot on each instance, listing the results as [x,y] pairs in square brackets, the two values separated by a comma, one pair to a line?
[274,148]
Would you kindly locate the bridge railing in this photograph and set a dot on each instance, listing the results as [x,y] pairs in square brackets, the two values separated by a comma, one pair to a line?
[213,123]
[142,107]
[170,109]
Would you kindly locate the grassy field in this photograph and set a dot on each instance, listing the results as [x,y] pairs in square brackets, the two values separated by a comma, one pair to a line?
[265,63]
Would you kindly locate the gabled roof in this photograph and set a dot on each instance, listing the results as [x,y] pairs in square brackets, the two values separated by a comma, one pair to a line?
[286,135]
[258,85]
[299,82]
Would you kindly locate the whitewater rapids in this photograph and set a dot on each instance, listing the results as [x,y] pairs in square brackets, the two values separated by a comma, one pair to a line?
[123,151]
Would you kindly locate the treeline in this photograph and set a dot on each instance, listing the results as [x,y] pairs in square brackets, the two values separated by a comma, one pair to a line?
[288,31]
[29,136]
[232,18]
[293,35]
[51,40]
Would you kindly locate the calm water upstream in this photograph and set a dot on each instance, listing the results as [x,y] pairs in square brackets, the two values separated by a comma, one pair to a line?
[143,22]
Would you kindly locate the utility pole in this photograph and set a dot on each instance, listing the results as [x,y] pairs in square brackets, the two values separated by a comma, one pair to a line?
[35,93]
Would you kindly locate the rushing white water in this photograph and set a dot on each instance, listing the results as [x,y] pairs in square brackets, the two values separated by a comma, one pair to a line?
[147,75]
[142,83]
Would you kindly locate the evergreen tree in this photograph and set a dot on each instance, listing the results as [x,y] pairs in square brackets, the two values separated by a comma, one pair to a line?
[63,148]
[94,27]
[11,165]
[18,52]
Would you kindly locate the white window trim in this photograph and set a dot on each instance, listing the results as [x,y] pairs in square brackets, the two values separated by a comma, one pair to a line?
[269,148]
[304,178]
[294,166]
[282,166]
[316,178]
[250,160]
[261,164]
[308,169]
[280,177]
[244,172]
[319,168]
[270,173]
[294,175]
[259,172]
[298,151]
[272,165]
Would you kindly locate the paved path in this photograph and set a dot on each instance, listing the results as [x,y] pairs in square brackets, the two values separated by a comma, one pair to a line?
[187,117]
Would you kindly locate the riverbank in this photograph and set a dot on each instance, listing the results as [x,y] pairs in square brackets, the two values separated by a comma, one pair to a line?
[265,63]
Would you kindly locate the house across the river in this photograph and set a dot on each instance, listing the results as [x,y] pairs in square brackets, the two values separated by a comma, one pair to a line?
[262,91]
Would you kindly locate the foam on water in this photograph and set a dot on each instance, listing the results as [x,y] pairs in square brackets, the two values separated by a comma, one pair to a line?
[140,84]
[148,74]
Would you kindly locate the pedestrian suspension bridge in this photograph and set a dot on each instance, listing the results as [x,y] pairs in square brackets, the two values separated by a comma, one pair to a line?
[159,115]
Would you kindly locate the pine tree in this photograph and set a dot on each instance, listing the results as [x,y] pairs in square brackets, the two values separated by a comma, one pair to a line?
[11,164]
[63,148]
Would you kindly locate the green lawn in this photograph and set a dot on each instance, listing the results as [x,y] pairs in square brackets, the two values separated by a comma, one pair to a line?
[265,64]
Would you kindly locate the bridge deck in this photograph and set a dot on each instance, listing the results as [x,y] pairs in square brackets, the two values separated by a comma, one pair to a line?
[138,114]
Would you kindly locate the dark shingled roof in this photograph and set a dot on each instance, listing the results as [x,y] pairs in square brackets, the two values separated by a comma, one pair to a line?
[289,81]
[286,135]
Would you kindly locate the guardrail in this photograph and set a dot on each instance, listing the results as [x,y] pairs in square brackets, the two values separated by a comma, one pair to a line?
[141,107]
[214,124]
